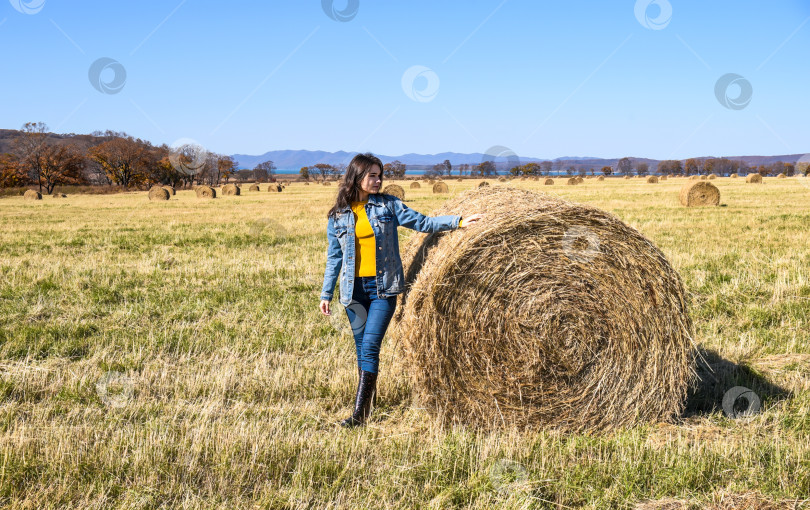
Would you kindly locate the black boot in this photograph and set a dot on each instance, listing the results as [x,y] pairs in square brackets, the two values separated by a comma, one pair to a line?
[363,404]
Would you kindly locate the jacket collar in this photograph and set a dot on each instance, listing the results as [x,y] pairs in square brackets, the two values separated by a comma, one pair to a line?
[374,199]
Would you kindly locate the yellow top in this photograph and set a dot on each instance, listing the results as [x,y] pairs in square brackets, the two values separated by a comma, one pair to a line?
[365,258]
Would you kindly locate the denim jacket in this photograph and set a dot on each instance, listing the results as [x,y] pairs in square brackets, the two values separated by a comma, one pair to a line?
[385,213]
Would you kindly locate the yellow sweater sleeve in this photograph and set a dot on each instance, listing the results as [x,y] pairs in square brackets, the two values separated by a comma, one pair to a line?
[365,257]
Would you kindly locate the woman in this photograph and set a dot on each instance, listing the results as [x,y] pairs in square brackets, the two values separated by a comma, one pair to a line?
[362,235]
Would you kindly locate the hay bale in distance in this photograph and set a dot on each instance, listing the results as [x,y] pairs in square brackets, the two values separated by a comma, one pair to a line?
[396,190]
[733,176]
[231,190]
[712,176]
[32,194]
[170,189]
[754,178]
[704,177]
[158,193]
[781,176]
[274,188]
[205,192]
[440,187]
[600,178]
[483,184]
[572,181]
[325,183]
[59,195]
[548,182]
[694,177]
[662,178]
[502,178]
[651,179]
[255,187]
[597,339]
[415,185]
[626,176]
[697,193]
[580,180]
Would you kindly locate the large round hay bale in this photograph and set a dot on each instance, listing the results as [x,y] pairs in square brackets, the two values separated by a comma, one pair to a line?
[205,192]
[626,176]
[600,178]
[459,179]
[580,180]
[483,184]
[651,179]
[662,178]
[325,183]
[694,177]
[712,176]
[415,185]
[585,326]
[696,193]
[32,194]
[158,193]
[274,188]
[781,176]
[548,182]
[572,181]
[396,190]
[733,176]
[231,190]
[170,189]
[501,178]
[754,178]
[255,187]
[440,187]
[704,177]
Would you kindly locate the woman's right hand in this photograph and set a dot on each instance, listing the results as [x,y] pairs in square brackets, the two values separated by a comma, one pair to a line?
[325,309]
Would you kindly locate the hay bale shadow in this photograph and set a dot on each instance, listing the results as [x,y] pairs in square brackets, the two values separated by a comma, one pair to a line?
[716,375]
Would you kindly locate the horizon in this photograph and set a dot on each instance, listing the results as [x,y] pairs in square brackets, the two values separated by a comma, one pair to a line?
[537,79]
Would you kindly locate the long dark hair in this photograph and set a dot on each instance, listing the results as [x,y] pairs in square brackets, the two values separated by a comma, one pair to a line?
[349,186]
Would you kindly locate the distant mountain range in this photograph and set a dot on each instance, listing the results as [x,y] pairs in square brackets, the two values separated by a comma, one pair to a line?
[295,159]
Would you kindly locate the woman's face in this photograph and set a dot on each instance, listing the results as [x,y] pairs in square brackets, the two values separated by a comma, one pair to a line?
[372,181]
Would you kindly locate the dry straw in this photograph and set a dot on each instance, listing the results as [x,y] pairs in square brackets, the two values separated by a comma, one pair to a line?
[626,176]
[698,193]
[415,185]
[502,178]
[548,182]
[663,178]
[275,187]
[255,187]
[231,190]
[483,184]
[781,176]
[32,194]
[754,178]
[580,180]
[600,178]
[733,176]
[712,176]
[205,192]
[440,187]
[459,179]
[572,181]
[158,193]
[652,179]
[396,190]
[549,313]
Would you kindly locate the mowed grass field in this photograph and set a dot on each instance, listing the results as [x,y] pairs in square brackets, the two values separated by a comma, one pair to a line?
[171,354]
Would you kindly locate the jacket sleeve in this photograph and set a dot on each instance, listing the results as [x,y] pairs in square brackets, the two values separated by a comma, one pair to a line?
[334,260]
[414,220]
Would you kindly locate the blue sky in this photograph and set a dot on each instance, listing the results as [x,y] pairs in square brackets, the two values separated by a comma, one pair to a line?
[545,79]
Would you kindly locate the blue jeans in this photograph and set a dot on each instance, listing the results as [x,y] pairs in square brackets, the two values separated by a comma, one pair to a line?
[369,316]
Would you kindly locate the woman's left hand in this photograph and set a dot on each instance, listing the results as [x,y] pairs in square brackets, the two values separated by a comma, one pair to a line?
[470,220]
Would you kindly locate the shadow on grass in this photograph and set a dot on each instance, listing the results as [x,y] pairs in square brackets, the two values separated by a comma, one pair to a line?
[717,375]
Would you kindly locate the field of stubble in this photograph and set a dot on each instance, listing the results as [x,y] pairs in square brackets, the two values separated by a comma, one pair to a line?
[172,355]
